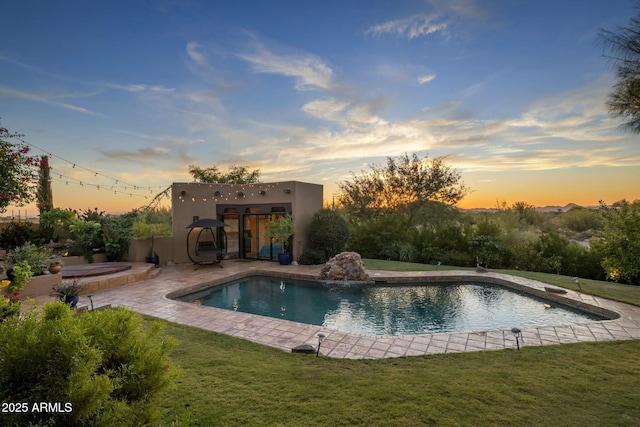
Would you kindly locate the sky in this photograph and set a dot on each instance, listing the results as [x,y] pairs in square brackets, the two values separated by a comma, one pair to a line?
[125,95]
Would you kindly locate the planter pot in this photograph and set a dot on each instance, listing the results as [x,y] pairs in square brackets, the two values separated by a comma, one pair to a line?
[72,300]
[154,260]
[284,259]
[55,269]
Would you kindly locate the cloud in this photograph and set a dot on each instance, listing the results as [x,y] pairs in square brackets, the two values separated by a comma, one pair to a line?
[412,27]
[328,108]
[426,78]
[139,88]
[194,53]
[43,99]
[308,70]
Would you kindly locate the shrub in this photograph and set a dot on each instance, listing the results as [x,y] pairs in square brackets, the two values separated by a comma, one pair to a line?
[619,245]
[9,307]
[15,234]
[19,276]
[328,232]
[116,230]
[312,257]
[55,223]
[104,365]
[86,236]
[376,238]
[32,255]
[488,252]
[581,220]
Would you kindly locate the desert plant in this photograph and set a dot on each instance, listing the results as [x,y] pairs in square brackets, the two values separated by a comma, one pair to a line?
[32,255]
[67,289]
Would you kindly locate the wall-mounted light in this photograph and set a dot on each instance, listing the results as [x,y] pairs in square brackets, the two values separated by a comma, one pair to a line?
[240,194]
[216,193]
[182,193]
[287,191]
[262,192]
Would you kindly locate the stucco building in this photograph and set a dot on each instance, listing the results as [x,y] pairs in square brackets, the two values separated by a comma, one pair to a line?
[246,210]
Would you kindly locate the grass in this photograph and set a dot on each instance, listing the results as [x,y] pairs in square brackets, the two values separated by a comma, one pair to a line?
[232,382]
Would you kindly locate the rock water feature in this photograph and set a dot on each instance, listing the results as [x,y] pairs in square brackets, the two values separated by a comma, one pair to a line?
[344,267]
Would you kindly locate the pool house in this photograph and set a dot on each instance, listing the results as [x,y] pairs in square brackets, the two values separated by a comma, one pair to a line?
[245,209]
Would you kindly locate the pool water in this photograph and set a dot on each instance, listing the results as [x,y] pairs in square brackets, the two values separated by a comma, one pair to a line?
[389,309]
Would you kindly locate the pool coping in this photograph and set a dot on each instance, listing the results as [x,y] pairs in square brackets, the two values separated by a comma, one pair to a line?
[153,297]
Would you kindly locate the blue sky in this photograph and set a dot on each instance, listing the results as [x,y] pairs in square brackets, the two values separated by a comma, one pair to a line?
[512,92]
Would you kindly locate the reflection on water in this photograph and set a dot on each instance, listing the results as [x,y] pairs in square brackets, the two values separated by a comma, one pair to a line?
[388,309]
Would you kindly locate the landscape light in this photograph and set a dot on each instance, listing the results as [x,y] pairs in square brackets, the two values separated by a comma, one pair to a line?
[321,338]
[575,279]
[517,333]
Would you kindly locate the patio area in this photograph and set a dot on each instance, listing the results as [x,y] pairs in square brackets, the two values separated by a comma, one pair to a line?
[149,297]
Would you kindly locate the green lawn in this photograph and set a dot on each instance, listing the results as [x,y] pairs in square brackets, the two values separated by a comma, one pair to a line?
[231,382]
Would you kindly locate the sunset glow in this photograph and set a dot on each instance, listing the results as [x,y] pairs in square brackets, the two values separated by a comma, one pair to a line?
[124,96]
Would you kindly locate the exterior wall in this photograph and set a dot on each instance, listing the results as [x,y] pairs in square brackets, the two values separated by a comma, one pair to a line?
[191,200]
[139,249]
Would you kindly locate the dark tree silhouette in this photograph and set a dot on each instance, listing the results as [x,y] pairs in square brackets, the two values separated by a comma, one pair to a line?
[622,48]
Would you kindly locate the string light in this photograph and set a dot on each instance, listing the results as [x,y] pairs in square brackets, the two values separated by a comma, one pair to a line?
[74,165]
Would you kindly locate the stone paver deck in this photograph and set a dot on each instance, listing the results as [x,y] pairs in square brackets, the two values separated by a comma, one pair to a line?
[150,297]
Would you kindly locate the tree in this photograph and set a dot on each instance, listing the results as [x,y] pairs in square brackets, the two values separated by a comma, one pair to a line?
[235,175]
[328,232]
[44,193]
[407,183]
[620,243]
[18,171]
[622,48]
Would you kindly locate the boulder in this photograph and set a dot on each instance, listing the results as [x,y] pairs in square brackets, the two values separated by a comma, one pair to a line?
[304,348]
[344,266]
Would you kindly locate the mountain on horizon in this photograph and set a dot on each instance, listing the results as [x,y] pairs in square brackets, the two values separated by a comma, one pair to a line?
[547,209]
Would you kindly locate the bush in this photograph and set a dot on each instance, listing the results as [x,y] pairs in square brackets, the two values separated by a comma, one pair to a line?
[328,232]
[86,238]
[312,257]
[15,234]
[378,237]
[581,220]
[104,365]
[55,223]
[32,255]
[19,276]
[116,230]
[9,307]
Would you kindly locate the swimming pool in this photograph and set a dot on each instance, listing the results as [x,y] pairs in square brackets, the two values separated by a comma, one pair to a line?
[389,309]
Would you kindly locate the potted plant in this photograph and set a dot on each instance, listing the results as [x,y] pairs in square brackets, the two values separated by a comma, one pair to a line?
[281,229]
[68,292]
[55,266]
[145,230]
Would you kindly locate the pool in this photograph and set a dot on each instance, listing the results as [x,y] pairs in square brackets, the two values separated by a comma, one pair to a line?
[389,309]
